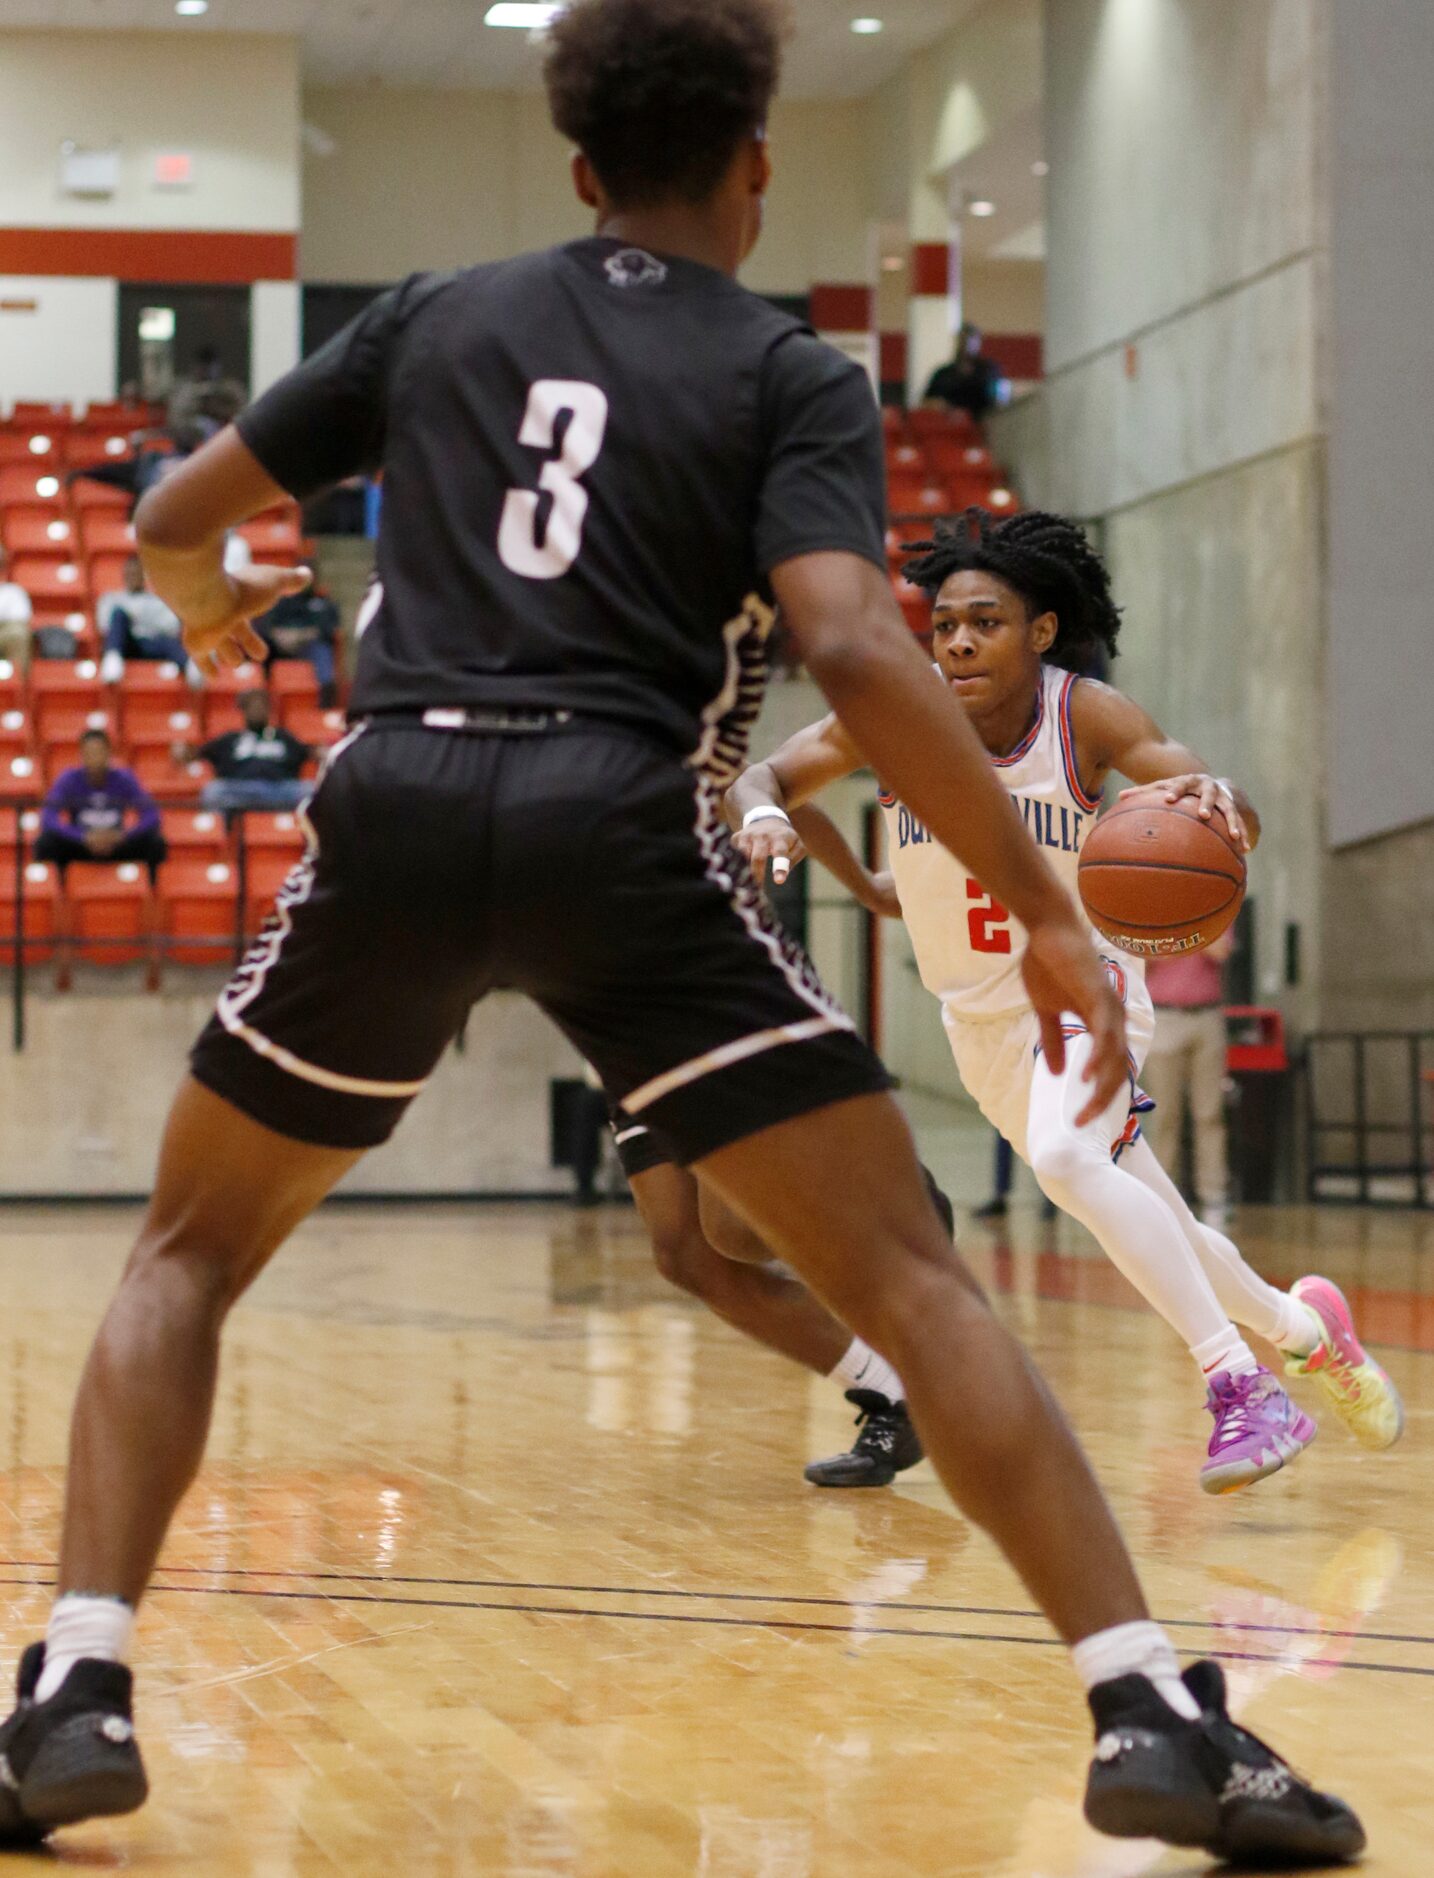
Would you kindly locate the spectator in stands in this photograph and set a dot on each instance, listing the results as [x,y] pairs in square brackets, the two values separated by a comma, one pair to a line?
[1186,1065]
[205,397]
[968,381]
[136,624]
[254,768]
[305,626]
[15,616]
[86,814]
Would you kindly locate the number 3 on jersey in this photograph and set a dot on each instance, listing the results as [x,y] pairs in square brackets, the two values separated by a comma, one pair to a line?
[988,923]
[519,547]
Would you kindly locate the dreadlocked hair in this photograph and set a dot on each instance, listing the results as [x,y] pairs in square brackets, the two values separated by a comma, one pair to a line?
[1046,558]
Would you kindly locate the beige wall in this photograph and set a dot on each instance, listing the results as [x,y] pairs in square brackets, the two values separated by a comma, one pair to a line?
[232,102]
[1182,137]
[1005,296]
[421,180]
[482,1124]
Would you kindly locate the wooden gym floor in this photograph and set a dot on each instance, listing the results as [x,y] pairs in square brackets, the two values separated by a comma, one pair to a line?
[503,1565]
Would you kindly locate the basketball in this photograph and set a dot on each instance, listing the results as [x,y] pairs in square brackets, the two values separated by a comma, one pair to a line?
[1156,880]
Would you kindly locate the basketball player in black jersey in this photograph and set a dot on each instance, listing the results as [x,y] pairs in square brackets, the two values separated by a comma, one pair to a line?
[602,465]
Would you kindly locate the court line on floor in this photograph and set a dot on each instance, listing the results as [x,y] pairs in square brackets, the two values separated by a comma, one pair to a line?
[912,1607]
[777,1623]
[731,1623]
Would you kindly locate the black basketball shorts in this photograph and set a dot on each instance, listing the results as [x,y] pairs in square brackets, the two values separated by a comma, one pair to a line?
[572,860]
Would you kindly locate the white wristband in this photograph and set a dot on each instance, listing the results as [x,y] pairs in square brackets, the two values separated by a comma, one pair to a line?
[762,811]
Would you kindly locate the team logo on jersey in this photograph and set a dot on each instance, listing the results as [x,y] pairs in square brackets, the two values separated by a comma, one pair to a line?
[635,267]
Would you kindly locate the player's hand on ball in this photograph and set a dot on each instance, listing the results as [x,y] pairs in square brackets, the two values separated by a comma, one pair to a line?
[771,838]
[1210,792]
[1063,973]
[228,638]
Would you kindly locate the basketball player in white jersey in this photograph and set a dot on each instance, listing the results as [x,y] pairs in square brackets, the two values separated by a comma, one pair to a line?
[1017,604]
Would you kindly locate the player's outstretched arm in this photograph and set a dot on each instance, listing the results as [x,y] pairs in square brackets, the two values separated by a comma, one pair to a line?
[1112,732]
[840,610]
[180,527]
[825,842]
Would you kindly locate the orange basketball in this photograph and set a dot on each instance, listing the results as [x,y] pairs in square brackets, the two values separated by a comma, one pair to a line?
[1156,880]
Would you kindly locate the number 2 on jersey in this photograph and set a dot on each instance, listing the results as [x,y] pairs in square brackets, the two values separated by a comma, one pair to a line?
[518,545]
[988,923]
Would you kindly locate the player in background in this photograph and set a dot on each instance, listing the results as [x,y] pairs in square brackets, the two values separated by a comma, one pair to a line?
[1016,604]
[701,1245]
[603,464]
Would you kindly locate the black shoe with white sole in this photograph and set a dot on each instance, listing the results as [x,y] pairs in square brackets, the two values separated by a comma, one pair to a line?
[887,1445]
[1208,1783]
[71,1757]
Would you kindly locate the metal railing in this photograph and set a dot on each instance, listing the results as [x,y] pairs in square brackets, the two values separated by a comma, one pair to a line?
[1372,1090]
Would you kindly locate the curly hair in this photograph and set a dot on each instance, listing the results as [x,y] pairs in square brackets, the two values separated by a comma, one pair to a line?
[659,94]
[1047,559]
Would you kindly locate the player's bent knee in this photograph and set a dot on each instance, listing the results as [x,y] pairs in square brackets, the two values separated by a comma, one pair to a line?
[686,1260]
[1064,1165]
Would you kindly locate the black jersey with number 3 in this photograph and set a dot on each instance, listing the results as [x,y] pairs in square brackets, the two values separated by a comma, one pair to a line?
[592,459]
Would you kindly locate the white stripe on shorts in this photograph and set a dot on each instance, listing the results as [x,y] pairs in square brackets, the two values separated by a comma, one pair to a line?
[725,1055]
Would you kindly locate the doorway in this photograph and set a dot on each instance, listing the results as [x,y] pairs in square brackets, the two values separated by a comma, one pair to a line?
[162,330]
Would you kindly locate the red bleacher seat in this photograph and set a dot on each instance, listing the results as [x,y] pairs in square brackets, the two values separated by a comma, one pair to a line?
[12,686]
[106,912]
[292,682]
[125,415]
[196,834]
[13,825]
[107,571]
[914,604]
[273,833]
[50,579]
[27,413]
[64,685]
[154,687]
[16,737]
[918,498]
[949,455]
[20,778]
[313,726]
[904,457]
[36,528]
[275,536]
[20,482]
[221,697]
[266,874]
[199,910]
[41,891]
[82,449]
[107,531]
[1001,501]
[88,496]
[156,727]
[931,423]
[29,446]
[167,780]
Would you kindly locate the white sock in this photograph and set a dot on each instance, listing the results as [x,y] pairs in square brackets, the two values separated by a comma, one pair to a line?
[83,1625]
[1299,1330]
[1228,1351]
[862,1368]
[1138,1649]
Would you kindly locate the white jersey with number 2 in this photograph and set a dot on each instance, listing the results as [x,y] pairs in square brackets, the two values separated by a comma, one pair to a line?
[968,948]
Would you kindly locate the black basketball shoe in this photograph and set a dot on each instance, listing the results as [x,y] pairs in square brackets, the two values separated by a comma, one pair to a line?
[886,1446]
[1208,1783]
[69,1758]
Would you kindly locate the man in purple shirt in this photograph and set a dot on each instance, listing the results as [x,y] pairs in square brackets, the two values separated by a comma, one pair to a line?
[86,813]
